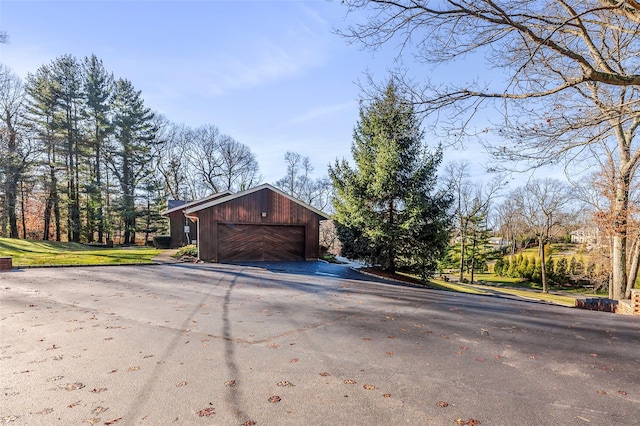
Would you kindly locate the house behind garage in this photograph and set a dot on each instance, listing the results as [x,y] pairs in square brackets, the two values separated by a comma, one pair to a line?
[262,223]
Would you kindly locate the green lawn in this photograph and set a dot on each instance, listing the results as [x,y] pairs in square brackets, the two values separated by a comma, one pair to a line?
[493,284]
[49,253]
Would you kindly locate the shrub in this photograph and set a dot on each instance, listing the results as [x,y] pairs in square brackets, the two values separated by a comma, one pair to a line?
[190,250]
[162,241]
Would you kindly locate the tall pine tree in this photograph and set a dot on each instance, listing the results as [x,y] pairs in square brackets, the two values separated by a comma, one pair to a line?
[387,209]
[130,157]
[42,105]
[99,87]
[67,73]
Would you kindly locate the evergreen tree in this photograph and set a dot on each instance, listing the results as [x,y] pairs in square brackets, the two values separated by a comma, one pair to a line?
[41,108]
[67,73]
[550,269]
[98,87]
[561,271]
[130,156]
[529,268]
[511,267]
[388,211]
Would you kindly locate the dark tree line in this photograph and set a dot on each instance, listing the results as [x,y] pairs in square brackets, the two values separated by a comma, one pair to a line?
[83,159]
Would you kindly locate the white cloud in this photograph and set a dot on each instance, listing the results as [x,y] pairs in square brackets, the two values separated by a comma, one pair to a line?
[320,112]
[265,63]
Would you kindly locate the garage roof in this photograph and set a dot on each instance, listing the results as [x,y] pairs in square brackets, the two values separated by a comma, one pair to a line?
[194,203]
[230,197]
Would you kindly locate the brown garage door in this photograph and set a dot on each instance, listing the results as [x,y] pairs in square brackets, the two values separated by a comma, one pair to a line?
[260,242]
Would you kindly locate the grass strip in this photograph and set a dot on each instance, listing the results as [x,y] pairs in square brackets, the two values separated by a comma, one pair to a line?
[51,253]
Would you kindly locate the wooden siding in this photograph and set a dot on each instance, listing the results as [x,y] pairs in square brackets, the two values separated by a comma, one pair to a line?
[248,210]
[177,222]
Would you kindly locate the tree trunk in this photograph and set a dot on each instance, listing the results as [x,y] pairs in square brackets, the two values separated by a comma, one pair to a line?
[99,218]
[12,178]
[633,270]
[23,216]
[619,254]
[543,266]
[473,257]
[463,238]
[56,206]
[46,220]
[392,246]
[12,198]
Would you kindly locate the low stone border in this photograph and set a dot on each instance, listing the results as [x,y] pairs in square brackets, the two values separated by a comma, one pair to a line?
[597,304]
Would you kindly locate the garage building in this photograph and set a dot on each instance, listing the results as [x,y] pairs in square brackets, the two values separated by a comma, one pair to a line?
[261,223]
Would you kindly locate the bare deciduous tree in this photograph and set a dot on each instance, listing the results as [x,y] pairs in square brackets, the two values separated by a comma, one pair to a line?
[221,163]
[300,184]
[542,205]
[15,147]
[171,160]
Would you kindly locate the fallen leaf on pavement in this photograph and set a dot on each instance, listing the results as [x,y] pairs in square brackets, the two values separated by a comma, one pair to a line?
[442,404]
[71,386]
[285,383]
[325,374]
[349,382]
[113,421]
[230,383]
[182,383]
[294,360]
[206,412]
[386,395]
[274,399]
[369,387]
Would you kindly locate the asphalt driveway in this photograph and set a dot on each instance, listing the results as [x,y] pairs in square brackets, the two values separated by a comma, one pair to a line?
[300,344]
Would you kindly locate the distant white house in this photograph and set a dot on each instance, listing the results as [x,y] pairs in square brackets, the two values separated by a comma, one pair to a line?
[589,235]
[498,241]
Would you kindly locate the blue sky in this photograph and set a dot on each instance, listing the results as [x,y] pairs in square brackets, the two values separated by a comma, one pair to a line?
[271,74]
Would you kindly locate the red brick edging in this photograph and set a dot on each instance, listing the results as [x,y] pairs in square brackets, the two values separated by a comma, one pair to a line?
[6,264]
